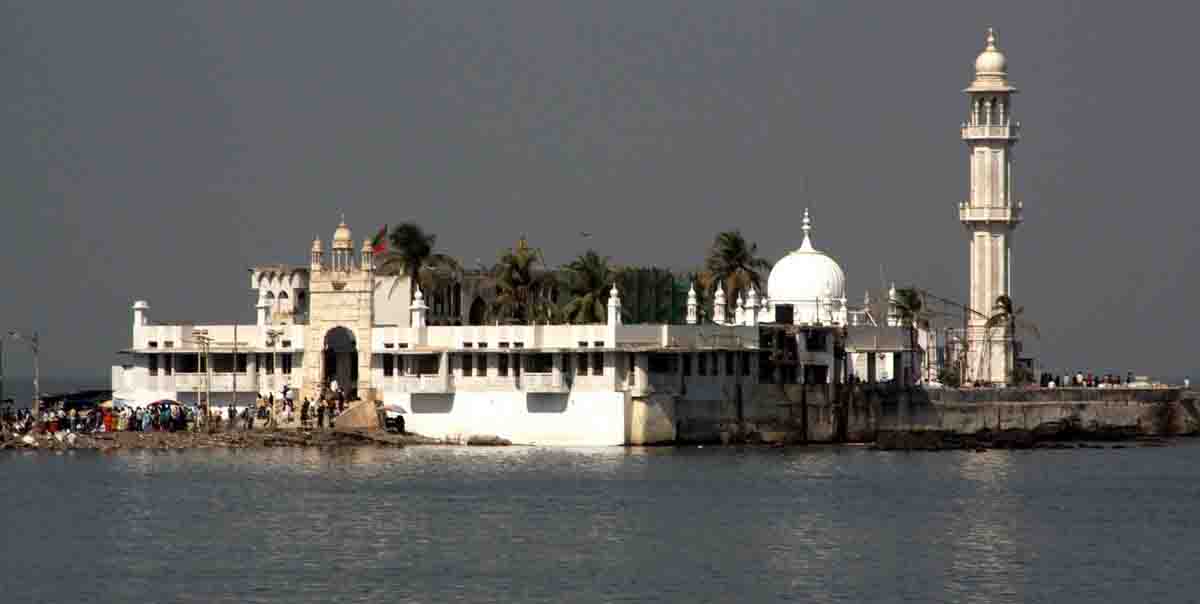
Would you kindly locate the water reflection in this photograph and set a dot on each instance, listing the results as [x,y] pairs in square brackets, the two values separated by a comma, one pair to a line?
[600,525]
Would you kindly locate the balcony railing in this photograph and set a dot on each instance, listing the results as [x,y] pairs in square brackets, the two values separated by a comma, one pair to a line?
[544,382]
[968,213]
[431,383]
[991,131]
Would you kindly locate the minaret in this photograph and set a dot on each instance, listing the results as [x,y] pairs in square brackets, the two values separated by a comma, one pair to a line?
[693,306]
[990,214]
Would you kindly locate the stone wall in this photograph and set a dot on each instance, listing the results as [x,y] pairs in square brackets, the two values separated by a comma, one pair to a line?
[775,413]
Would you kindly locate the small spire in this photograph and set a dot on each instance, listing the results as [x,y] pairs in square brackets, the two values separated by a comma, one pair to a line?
[692,291]
[613,292]
[419,296]
[806,226]
[991,39]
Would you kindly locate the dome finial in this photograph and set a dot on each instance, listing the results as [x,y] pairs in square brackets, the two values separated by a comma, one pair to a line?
[991,39]
[806,226]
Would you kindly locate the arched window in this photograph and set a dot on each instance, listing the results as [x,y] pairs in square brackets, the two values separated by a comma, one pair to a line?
[284,302]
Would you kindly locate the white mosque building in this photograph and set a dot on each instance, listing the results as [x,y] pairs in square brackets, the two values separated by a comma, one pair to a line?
[376,335]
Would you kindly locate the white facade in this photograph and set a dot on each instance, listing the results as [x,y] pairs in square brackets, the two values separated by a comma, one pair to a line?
[990,214]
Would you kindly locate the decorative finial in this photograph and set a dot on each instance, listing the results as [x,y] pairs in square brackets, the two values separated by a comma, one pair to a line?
[991,39]
[806,226]
[419,296]
[613,292]
[692,290]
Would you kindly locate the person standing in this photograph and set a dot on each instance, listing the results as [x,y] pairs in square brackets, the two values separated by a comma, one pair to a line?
[321,415]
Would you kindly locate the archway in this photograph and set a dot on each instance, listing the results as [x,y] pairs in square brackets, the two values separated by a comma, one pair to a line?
[341,361]
[478,312]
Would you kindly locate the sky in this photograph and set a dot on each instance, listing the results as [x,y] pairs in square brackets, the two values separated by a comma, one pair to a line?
[155,150]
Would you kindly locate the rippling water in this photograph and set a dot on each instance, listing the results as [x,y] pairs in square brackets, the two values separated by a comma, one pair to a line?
[602,525]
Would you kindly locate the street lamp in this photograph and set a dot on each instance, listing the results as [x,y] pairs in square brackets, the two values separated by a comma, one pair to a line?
[35,346]
[204,340]
[272,341]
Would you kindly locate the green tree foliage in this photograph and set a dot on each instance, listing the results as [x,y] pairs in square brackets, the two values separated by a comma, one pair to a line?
[411,252]
[587,281]
[733,263]
[521,287]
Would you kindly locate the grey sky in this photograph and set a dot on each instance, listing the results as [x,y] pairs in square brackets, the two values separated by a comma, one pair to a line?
[155,149]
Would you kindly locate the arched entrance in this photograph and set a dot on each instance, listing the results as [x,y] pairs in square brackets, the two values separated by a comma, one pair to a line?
[478,312]
[341,361]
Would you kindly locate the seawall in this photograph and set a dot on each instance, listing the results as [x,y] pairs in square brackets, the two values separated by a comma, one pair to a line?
[889,416]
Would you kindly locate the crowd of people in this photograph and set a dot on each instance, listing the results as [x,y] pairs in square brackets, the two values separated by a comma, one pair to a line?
[268,412]
[153,418]
[1080,379]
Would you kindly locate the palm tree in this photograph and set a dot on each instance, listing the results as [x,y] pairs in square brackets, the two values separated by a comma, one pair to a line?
[734,264]
[520,286]
[411,252]
[910,304]
[588,279]
[1005,315]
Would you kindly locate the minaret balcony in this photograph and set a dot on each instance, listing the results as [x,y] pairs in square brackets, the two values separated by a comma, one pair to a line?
[990,132]
[968,214]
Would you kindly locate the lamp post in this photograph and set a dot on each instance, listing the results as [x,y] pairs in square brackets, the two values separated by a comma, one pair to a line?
[273,336]
[35,346]
[204,340]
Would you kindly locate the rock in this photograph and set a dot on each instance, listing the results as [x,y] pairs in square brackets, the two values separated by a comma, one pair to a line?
[487,440]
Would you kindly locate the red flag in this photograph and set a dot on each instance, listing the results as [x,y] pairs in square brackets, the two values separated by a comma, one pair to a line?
[379,243]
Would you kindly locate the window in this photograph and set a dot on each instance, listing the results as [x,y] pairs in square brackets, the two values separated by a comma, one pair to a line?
[687,364]
[168,344]
[287,343]
[403,345]
[167,363]
[481,366]
[539,363]
[702,363]
[202,363]
[502,363]
[518,344]
[269,363]
[467,344]
[581,366]
[242,362]
[745,356]
[187,363]
[286,361]
[597,363]
[152,344]
[482,345]
[598,344]
[388,363]
[222,363]
[468,364]
[153,364]
[388,345]
[730,363]
[814,341]
[663,364]
[504,344]
[427,364]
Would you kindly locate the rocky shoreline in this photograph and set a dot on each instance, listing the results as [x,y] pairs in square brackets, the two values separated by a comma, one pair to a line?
[939,440]
[238,439]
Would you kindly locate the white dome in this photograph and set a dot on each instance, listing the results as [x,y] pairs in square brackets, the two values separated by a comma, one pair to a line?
[991,62]
[806,275]
[342,238]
